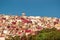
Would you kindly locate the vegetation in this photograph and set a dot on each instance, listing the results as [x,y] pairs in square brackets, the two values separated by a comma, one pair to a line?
[45,34]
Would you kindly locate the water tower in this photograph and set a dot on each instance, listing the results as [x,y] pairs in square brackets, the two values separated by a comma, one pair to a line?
[23,14]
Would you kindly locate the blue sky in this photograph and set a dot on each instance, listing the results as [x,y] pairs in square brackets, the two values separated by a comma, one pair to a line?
[31,7]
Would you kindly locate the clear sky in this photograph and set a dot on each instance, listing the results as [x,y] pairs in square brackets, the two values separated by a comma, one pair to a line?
[31,7]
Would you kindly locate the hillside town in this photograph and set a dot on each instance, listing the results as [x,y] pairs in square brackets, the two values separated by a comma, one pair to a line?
[26,25]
